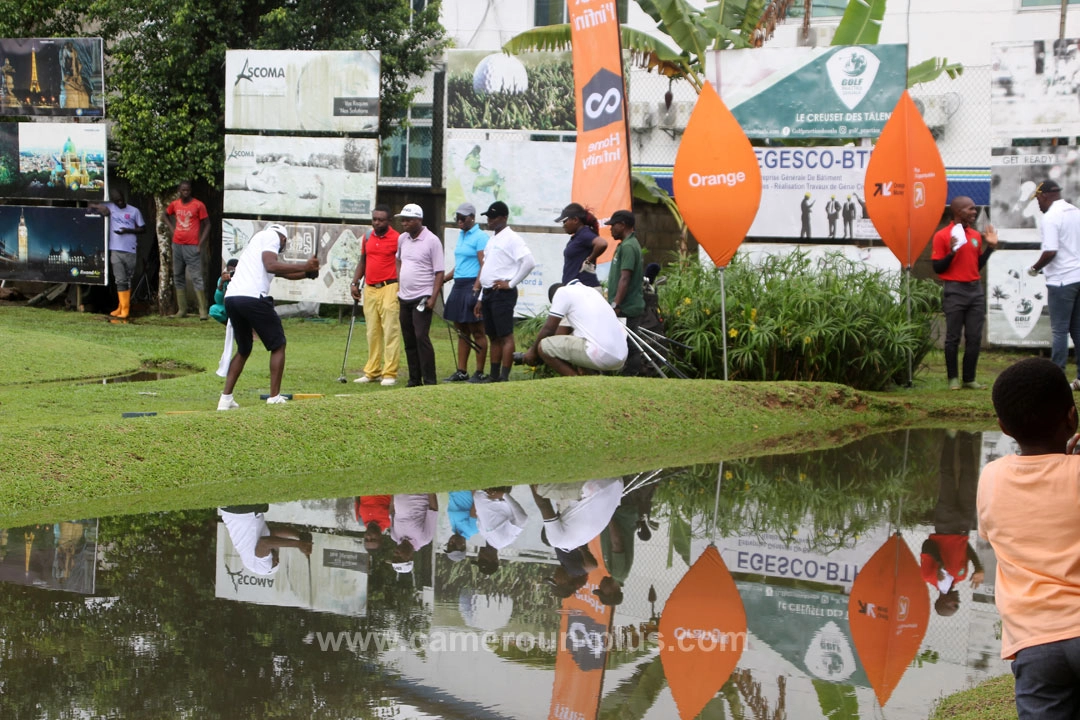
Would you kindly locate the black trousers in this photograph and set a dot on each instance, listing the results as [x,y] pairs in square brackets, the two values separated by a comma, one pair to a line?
[964,304]
[415,335]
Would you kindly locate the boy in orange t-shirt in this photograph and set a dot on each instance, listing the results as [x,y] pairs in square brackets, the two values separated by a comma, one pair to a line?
[1029,510]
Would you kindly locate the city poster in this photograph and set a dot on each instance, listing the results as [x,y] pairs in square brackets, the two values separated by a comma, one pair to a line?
[53,161]
[52,244]
[52,77]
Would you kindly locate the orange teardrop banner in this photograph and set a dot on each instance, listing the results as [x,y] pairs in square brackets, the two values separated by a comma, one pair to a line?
[888,611]
[905,187]
[717,181]
[702,633]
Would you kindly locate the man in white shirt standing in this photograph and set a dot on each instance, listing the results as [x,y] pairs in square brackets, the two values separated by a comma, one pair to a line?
[581,332]
[1060,262]
[507,261]
[250,308]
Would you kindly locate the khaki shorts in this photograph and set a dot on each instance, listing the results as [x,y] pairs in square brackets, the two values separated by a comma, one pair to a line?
[571,349]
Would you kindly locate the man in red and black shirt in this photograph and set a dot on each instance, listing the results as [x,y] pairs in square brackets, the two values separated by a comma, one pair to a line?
[959,253]
[378,269]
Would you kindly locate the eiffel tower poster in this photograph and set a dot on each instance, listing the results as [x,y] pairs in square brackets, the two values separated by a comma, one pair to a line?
[35,86]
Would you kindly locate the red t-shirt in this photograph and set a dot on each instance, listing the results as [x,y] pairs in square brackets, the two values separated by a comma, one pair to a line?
[954,558]
[374,508]
[187,220]
[380,253]
[965,264]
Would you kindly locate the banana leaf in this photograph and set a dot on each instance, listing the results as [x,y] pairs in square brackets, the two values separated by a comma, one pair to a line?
[690,28]
[861,24]
[930,69]
[645,51]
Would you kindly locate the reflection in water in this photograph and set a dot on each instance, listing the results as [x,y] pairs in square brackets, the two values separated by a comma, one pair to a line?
[472,629]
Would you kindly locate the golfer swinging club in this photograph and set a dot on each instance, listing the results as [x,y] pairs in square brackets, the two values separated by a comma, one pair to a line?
[250,308]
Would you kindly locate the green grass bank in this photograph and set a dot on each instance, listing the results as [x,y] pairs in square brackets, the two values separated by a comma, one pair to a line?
[65,450]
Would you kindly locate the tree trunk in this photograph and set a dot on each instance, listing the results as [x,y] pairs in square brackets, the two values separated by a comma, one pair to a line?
[165,296]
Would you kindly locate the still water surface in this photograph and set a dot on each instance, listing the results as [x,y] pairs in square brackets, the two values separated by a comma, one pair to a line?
[160,615]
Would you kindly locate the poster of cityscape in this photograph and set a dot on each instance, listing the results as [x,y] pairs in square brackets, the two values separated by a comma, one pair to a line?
[52,244]
[52,160]
[52,76]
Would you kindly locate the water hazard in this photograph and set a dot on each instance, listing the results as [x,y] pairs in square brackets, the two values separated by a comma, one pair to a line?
[604,599]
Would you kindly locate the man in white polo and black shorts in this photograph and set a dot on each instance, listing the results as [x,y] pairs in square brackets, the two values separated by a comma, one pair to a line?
[581,333]
[250,308]
[507,261]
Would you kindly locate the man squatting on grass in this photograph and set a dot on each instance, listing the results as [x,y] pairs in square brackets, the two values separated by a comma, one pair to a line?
[1029,510]
[581,333]
[250,308]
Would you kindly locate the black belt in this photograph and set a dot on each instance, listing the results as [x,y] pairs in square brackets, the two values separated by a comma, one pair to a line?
[384,283]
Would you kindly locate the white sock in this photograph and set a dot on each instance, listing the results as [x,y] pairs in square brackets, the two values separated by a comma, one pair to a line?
[226,397]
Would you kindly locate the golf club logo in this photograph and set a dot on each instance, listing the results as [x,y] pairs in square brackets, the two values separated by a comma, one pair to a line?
[852,71]
[1021,299]
[602,100]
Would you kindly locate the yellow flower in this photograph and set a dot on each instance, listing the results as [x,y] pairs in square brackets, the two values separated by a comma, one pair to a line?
[746,486]
[708,312]
[806,340]
[728,475]
[802,477]
[753,327]
[686,301]
[753,314]
[733,333]
[678,313]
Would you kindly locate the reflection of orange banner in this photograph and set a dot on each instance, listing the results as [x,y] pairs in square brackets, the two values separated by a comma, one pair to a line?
[602,165]
[584,638]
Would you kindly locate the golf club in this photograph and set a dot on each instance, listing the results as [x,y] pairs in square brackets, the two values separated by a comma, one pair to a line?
[352,324]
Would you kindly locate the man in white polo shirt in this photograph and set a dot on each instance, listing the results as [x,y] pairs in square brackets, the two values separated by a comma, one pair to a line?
[420,278]
[249,307]
[1060,262]
[581,333]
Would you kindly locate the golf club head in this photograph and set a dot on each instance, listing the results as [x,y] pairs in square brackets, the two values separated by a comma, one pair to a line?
[343,379]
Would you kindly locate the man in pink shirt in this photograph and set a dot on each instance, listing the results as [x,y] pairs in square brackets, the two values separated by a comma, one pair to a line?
[1029,510]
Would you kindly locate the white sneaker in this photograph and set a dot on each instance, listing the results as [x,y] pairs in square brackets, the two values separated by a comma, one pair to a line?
[387,382]
[227,404]
[277,400]
[1075,384]
[365,379]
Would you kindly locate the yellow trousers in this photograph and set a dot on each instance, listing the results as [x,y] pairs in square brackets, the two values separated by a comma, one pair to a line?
[383,331]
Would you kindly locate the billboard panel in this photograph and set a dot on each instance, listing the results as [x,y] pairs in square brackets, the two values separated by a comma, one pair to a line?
[298,90]
[1017,314]
[1014,174]
[841,91]
[1033,88]
[52,76]
[530,177]
[52,244]
[496,91]
[52,160]
[337,247]
[58,556]
[328,177]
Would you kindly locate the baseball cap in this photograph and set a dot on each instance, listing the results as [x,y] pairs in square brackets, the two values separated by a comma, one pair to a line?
[412,210]
[456,555]
[466,209]
[624,216]
[571,210]
[278,228]
[497,209]
[1046,186]
[403,567]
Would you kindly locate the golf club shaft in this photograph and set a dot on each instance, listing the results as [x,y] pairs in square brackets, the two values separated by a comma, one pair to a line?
[348,342]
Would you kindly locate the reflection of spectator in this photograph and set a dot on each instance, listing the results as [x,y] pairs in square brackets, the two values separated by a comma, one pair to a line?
[413,519]
[463,515]
[500,517]
[373,512]
[256,543]
[947,553]
[583,510]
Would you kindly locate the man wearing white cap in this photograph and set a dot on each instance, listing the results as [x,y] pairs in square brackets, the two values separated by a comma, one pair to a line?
[420,279]
[249,307]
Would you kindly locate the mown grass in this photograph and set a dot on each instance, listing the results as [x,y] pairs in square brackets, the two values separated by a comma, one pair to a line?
[65,450]
[992,700]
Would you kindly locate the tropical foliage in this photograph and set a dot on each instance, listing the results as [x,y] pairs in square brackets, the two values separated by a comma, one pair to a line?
[795,318]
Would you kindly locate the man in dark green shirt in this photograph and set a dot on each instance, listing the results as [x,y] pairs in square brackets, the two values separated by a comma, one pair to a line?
[625,290]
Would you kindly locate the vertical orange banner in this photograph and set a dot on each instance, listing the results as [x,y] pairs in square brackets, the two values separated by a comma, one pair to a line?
[717,180]
[584,640]
[905,183]
[602,164]
[888,611]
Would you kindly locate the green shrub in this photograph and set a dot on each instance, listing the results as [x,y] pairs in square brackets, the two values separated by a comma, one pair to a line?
[791,317]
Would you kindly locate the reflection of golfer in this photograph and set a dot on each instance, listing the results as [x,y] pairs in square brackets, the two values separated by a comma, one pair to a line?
[849,219]
[832,212]
[806,204]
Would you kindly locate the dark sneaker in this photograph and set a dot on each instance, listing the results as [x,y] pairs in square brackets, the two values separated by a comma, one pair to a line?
[458,376]
[478,377]
[973,385]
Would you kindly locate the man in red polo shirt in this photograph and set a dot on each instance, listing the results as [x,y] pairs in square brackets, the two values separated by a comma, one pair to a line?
[190,225]
[378,268]
[959,253]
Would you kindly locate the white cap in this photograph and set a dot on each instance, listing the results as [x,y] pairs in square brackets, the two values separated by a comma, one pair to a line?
[403,567]
[412,210]
[278,228]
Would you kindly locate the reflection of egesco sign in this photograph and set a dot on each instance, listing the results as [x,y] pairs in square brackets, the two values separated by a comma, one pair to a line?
[795,567]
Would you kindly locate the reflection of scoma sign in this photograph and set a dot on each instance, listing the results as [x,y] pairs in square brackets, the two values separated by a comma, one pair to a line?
[587,640]
[602,100]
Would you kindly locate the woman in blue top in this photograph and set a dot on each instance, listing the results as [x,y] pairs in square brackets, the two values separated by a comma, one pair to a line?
[585,246]
[461,305]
